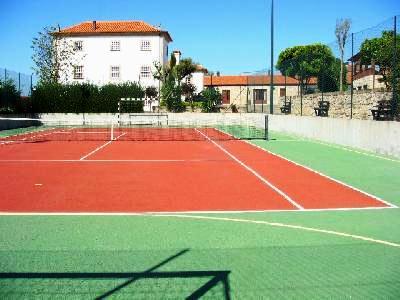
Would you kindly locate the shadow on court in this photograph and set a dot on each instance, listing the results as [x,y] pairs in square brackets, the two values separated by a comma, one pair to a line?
[209,279]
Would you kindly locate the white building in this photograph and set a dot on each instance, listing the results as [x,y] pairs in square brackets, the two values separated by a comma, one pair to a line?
[114,52]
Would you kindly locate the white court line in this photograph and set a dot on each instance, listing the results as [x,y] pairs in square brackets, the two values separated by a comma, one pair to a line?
[354,151]
[323,175]
[265,181]
[84,132]
[197,212]
[101,147]
[298,227]
[344,148]
[28,137]
[166,215]
[98,160]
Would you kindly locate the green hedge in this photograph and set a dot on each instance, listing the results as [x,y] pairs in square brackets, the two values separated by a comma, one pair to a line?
[9,97]
[84,98]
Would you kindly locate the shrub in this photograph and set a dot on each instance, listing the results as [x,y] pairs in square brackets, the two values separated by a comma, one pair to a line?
[171,97]
[9,96]
[211,100]
[84,98]
[151,92]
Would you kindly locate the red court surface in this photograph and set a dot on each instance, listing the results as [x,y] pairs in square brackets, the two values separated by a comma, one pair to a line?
[162,176]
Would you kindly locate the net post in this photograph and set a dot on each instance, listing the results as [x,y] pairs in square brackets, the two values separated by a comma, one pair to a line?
[266,127]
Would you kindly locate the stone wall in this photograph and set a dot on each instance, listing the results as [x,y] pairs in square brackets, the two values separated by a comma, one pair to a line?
[363,101]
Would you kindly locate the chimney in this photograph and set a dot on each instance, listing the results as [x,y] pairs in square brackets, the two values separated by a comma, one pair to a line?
[177,55]
[94,25]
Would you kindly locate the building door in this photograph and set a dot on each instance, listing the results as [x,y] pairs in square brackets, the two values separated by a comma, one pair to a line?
[226,96]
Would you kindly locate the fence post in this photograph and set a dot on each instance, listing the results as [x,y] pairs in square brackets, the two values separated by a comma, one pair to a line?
[394,69]
[352,75]
[301,99]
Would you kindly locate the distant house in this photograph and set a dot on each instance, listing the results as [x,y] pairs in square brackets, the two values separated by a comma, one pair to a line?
[252,91]
[365,76]
[115,52]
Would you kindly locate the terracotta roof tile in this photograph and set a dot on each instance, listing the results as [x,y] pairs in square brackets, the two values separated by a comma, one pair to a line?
[248,80]
[102,27]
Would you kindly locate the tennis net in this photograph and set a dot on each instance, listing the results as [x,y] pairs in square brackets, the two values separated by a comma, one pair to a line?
[133,127]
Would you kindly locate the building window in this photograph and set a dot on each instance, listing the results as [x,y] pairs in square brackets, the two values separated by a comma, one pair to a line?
[115,46]
[78,72]
[115,72]
[78,45]
[145,45]
[189,79]
[259,96]
[145,72]
[282,92]
[226,96]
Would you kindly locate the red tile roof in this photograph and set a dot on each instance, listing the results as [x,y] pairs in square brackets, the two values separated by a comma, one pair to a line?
[248,80]
[104,27]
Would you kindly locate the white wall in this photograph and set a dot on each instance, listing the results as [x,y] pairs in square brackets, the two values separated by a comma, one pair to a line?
[97,58]
[198,81]
[375,136]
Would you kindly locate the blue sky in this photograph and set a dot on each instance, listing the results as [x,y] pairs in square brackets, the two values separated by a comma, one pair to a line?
[227,36]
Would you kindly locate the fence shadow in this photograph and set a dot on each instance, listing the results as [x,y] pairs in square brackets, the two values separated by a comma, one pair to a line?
[216,277]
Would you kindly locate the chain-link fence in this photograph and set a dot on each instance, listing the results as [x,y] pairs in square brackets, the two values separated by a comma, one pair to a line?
[22,82]
[15,92]
[354,77]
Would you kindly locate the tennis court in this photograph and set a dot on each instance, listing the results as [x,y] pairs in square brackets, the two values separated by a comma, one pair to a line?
[93,211]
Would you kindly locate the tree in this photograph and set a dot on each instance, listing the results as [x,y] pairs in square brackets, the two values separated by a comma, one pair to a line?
[185,68]
[9,96]
[188,91]
[305,62]
[171,76]
[52,55]
[381,51]
[211,100]
[151,92]
[329,78]
[341,32]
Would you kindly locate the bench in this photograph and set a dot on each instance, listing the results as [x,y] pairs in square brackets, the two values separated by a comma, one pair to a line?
[287,107]
[383,111]
[322,109]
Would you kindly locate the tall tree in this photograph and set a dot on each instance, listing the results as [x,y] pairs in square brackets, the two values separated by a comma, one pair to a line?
[381,51]
[342,32]
[171,76]
[52,55]
[185,67]
[305,62]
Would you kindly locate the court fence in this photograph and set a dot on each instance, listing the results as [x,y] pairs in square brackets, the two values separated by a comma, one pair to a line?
[15,92]
[23,82]
[355,77]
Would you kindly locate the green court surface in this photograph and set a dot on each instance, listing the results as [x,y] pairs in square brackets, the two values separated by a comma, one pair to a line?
[344,254]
